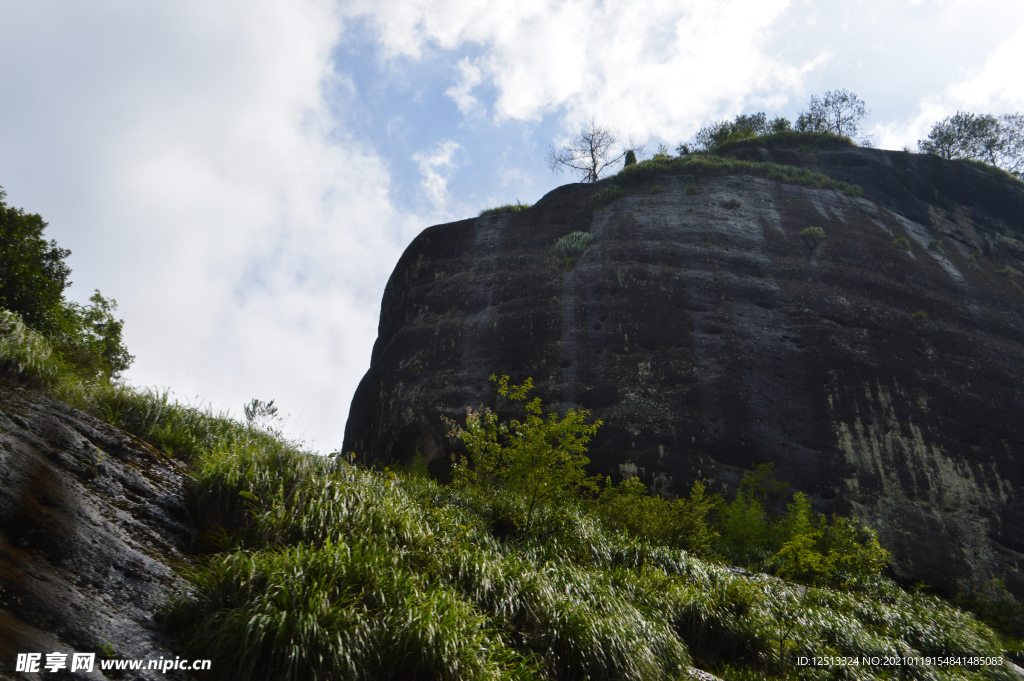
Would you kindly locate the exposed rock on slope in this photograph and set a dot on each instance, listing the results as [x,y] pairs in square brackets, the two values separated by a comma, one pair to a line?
[91,523]
[881,370]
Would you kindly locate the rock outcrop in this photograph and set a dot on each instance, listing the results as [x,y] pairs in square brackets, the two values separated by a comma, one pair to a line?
[92,523]
[880,369]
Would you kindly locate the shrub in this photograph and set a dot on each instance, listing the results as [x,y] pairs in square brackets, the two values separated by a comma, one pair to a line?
[682,523]
[731,204]
[921,316]
[691,190]
[507,208]
[935,245]
[603,197]
[657,189]
[902,243]
[812,236]
[571,246]
[630,158]
[542,459]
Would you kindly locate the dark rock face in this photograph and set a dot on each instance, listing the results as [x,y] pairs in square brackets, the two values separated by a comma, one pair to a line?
[881,370]
[91,523]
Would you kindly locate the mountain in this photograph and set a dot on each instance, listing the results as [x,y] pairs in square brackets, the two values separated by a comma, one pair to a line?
[854,316]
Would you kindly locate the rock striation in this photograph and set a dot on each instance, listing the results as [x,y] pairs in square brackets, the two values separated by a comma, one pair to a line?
[92,523]
[879,367]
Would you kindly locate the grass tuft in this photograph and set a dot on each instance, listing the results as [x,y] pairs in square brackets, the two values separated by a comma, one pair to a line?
[507,208]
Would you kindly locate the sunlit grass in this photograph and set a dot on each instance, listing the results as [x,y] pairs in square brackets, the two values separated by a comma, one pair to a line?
[343,571]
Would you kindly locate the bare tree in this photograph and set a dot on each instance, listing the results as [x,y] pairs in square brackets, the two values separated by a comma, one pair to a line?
[838,111]
[998,141]
[588,153]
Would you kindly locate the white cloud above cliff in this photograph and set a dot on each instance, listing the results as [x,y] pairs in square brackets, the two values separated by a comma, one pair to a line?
[242,176]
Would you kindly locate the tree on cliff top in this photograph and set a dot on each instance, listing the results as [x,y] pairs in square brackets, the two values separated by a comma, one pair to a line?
[837,111]
[998,141]
[589,153]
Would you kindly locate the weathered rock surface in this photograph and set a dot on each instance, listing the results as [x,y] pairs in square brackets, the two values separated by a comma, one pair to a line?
[882,381]
[92,521]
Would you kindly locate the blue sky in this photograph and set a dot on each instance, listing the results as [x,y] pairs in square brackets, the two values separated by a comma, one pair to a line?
[243,176]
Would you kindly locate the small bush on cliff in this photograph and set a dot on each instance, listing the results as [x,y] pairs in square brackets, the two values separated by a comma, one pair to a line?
[571,246]
[507,208]
[603,197]
[812,236]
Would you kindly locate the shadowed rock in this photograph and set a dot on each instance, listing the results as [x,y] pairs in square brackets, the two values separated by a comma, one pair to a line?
[879,369]
[91,523]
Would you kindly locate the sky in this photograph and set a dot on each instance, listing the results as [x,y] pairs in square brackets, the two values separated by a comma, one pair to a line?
[242,176]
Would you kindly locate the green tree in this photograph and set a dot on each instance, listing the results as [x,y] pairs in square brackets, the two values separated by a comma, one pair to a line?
[544,459]
[33,277]
[33,274]
[996,140]
[837,111]
[90,338]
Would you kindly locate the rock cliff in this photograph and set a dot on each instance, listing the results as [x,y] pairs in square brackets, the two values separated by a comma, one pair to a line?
[92,521]
[880,369]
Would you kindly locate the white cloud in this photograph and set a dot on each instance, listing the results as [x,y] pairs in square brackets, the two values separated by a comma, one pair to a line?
[436,167]
[185,152]
[650,67]
[994,88]
[461,93]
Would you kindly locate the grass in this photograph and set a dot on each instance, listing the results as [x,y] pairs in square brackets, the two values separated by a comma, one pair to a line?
[571,246]
[25,354]
[992,170]
[507,208]
[711,165]
[341,572]
[731,204]
[603,197]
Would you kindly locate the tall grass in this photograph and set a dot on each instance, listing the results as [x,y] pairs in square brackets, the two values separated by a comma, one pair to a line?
[340,572]
[25,354]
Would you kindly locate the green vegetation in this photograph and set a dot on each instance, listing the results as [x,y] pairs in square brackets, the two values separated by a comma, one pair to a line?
[570,247]
[901,242]
[920,315]
[993,143]
[731,204]
[709,165]
[630,158]
[691,190]
[542,460]
[507,208]
[812,236]
[326,570]
[606,195]
[84,340]
[935,245]
[805,141]
[657,189]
